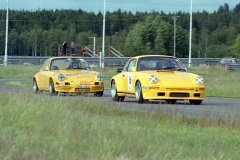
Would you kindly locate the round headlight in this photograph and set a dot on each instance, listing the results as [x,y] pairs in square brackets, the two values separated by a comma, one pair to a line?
[199,80]
[100,76]
[152,79]
[61,77]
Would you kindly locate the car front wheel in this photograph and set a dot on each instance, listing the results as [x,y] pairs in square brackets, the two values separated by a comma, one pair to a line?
[195,102]
[138,93]
[35,86]
[171,101]
[114,94]
[98,94]
[51,89]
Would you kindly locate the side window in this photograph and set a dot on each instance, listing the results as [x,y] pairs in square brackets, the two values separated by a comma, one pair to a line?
[126,66]
[129,65]
[45,65]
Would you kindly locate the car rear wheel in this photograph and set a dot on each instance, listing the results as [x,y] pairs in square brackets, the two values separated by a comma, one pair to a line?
[51,89]
[195,102]
[35,86]
[98,94]
[114,94]
[138,93]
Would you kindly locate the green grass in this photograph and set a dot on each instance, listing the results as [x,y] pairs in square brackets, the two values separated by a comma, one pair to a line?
[77,127]
[18,71]
[218,82]
[44,127]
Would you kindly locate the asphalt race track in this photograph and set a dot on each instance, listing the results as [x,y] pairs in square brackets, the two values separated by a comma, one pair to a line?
[210,107]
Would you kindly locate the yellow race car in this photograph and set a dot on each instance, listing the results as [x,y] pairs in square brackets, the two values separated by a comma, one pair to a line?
[68,75]
[157,77]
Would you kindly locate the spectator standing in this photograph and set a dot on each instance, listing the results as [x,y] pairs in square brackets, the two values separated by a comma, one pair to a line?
[64,45]
[84,52]
[72,45]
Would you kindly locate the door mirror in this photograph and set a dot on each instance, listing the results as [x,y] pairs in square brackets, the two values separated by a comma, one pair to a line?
[133,69]
[119,70]
[47,68]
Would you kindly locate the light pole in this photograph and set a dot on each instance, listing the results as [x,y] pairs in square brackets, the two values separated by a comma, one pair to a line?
[103,39]
[190,37]
[93,45]
[174,47]
[5,57]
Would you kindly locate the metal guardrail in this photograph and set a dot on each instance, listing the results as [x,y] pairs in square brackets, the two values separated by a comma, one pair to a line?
[109,61]
[24,60]
[232,67]
[37,60]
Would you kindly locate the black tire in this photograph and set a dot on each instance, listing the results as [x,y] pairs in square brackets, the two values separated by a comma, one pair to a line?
[170,101]
[98,94]
[114,94]
[138,93]
[51,89]
[35,87]
[195,102]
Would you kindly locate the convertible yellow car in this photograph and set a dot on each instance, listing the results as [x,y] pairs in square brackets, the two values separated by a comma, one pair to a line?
[157,77]
[68,75]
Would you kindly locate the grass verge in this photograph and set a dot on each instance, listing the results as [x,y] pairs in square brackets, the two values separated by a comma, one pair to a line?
[59,127]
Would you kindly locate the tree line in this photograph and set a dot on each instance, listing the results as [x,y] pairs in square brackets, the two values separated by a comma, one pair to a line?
[41,32]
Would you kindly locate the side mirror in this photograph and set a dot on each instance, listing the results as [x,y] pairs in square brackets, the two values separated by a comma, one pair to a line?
[134,69]
[47,68]
[119,70]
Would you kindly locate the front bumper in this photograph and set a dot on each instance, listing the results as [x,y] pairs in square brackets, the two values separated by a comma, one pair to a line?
[78,88]
[187,93]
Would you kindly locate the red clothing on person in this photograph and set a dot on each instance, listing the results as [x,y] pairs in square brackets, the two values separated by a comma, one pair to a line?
[84,52]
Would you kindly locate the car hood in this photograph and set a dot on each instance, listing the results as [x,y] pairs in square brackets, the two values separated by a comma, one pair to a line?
[79,74]
[175,78]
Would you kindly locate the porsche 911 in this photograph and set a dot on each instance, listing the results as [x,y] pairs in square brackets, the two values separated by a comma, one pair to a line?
[157,77]
[68,75]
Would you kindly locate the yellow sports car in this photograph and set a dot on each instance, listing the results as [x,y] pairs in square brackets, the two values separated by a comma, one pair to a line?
[156,77]
[68,75]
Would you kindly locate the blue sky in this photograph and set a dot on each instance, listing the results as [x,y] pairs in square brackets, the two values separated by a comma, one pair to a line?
[96,6]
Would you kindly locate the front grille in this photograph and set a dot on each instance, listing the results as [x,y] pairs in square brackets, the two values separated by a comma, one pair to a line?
[82,89]
[161,93]
[179,95]
[197,94]
[97,88]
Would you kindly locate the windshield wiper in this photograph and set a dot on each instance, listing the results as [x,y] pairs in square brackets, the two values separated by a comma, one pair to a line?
[74,68]
[169,68]
[182,70]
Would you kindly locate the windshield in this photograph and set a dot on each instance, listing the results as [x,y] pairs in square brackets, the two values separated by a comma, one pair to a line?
[68,63]
[159,63]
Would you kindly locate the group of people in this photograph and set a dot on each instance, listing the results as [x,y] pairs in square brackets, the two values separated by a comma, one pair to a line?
[72,49]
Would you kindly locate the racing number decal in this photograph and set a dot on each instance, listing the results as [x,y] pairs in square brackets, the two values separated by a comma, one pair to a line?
[130,77]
